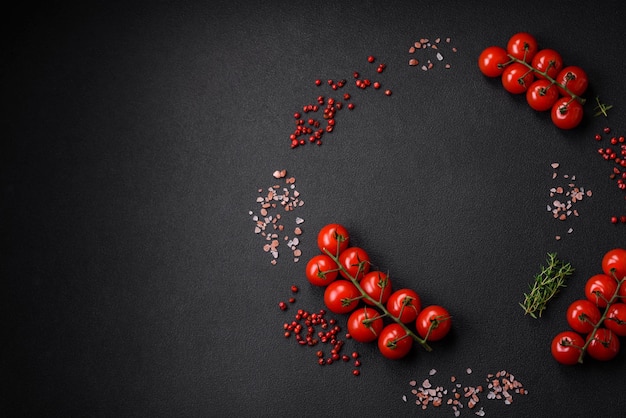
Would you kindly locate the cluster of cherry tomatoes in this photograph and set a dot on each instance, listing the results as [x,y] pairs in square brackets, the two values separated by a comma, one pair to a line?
[541,75]
[600,316]
[376,311]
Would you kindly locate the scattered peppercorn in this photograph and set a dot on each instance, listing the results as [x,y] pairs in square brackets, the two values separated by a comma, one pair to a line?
[616,154]
[314,328]
[313,129]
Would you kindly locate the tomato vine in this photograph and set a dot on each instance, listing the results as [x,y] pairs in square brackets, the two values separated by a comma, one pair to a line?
[344,271]
[524,68]
[606,291]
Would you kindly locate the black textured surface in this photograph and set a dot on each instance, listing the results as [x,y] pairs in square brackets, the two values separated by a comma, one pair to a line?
[136,138]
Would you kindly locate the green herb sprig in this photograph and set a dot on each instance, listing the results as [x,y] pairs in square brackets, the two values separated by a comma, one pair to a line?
[601,108]
[546,285]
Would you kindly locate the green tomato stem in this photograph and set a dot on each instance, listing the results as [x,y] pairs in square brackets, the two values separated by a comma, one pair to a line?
[378,304]
[434,323]
[550,79]
[614,297]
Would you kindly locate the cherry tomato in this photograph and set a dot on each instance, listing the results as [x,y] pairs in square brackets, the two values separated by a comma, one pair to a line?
[574,78]
[321,270]
[600,288]
[547,61]
[616,319]
[567,113]
[341,296]
[566,347]
[365,324]
[393,342]
[433,323]
[377,285]
[522,46]
[492,61]
[614,261]
[333,238]
[541,95]
[583,315]
[604,345]
[516,78]
[404,304]
[355,261]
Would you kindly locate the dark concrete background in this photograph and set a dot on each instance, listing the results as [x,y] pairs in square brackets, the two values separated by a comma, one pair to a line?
[137,136]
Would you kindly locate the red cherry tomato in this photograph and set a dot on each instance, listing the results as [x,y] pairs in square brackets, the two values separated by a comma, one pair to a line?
[614,261]
[547,61]
[583,315]
[355,261]
[393,342]
[365,324]
[522,46]
[492,61]
[574,78]
[566,347]
[516,78]
[600,288]
[341,296]
[433,323]
[616,319]
[377,285]
[567,113]
[333,238]
[541,95]
[404,304]
[604,345]
[321,270]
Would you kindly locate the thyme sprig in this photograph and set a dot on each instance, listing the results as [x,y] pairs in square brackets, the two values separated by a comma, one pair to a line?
[546,285]
[601,108]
